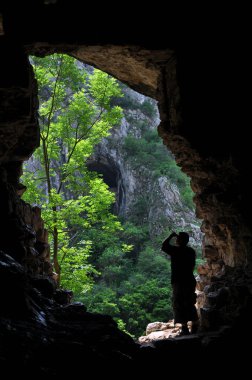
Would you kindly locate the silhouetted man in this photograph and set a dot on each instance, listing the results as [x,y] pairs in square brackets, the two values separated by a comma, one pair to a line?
[182,280]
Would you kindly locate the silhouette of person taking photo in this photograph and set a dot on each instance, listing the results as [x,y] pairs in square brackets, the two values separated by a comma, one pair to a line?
[182,280]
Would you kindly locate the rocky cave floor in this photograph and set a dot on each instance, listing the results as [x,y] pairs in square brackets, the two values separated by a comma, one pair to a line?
[42,333]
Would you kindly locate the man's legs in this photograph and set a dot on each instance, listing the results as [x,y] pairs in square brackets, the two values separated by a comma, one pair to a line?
[184,329]
[195,327]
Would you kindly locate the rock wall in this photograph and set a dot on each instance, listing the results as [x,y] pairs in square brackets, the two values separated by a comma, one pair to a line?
[216,179]
[201,88]
[23,235]
[162,209]
[19,130]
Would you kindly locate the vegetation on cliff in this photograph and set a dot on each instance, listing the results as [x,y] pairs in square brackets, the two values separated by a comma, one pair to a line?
[75,114]
[113,264]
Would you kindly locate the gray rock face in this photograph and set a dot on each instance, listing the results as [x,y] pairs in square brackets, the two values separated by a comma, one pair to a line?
[163,208]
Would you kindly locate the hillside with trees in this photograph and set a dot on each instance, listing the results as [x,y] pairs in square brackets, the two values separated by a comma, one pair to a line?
[110,192]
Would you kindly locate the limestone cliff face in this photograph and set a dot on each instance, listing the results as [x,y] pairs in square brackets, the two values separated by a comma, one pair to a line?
[139,189]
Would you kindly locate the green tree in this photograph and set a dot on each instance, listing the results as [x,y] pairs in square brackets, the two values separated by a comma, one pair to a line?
[153,302]
[75,114]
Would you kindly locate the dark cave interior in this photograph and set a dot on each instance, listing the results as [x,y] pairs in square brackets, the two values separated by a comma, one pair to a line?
[113,178]
[201,102]
[106,171]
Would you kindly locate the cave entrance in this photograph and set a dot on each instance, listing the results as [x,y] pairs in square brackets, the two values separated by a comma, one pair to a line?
[193,86]
[152,195]
[112,176]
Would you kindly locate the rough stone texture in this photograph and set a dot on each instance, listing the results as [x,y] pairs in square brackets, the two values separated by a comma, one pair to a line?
[202,104]
[19,131]
[214,183]
[135,181]
[228,298]
[46,336]
[130,64]
[23,235]
[159,326]
[160,330]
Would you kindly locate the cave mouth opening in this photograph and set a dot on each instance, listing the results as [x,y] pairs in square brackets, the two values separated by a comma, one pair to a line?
[184,82]
[134,164]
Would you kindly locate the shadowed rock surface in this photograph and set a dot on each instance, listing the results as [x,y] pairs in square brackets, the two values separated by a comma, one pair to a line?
[198,81]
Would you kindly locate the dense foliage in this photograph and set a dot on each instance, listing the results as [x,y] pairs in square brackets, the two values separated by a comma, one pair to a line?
[134,285]
[75,114]
[113,267]
[149,149]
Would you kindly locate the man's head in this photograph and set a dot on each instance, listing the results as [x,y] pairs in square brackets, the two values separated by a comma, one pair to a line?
[182,239]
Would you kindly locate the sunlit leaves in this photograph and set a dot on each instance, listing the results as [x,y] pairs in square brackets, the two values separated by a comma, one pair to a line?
[75,114]
[103,87]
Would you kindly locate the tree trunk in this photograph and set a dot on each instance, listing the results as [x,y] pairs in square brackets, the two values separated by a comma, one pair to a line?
[55,245]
